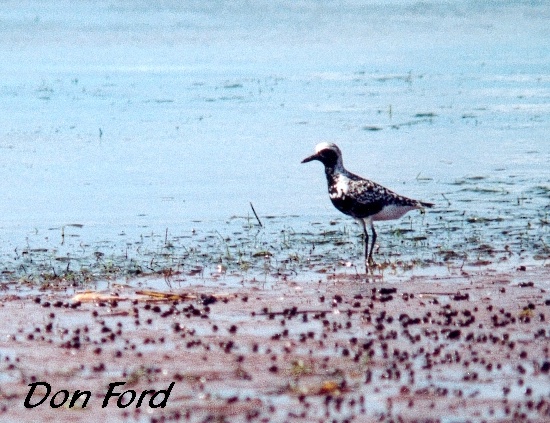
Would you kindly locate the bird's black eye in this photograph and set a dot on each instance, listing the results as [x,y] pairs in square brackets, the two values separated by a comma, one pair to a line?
[329,157]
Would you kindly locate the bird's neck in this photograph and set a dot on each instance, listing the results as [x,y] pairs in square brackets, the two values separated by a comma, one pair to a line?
[333,172]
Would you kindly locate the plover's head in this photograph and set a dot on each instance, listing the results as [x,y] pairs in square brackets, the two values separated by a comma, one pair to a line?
[327,153]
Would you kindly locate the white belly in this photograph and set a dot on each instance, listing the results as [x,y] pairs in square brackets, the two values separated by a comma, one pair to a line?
[392,212]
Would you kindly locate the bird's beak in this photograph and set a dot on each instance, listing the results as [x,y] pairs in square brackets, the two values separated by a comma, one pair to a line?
[310,158]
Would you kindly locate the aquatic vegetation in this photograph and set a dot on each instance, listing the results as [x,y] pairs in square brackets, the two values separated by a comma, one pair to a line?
[287,246]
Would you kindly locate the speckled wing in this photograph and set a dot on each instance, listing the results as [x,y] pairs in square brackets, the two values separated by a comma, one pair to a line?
[368,192]
[368,199]
[359,199]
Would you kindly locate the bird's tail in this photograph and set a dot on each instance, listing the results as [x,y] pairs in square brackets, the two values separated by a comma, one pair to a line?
[424,204]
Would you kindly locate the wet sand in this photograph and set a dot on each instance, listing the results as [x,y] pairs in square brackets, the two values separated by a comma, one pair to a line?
[472,347]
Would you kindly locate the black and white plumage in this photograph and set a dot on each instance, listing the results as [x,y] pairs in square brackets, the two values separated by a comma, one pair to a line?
[364,200]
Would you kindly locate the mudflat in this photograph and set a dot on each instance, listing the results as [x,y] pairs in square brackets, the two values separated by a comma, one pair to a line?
[341,347]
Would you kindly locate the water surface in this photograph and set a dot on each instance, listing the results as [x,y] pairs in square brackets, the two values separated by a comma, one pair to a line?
[136,122]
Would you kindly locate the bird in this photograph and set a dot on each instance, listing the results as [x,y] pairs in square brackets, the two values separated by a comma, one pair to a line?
[364,200]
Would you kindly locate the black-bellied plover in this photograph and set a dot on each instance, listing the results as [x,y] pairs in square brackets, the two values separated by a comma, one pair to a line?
[364,200]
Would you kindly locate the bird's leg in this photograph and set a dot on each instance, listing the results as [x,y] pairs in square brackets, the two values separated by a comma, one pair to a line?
[370,260]
[366,235]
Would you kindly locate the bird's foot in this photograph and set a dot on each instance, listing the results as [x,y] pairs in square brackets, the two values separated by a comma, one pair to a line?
[370,264]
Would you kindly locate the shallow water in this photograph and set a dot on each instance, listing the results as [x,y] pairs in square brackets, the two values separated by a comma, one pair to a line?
[136,127]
